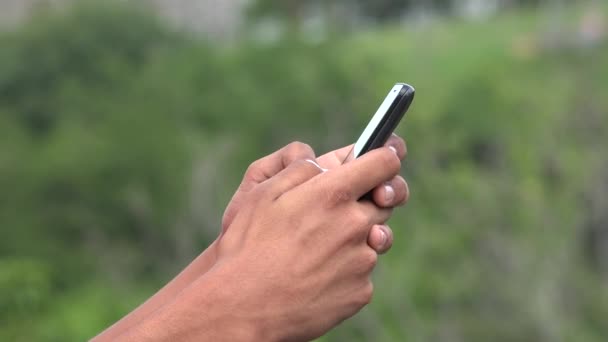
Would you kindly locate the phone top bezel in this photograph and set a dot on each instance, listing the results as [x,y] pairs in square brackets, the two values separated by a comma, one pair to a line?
[389,120]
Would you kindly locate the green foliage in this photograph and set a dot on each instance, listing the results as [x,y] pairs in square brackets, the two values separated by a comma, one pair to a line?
[121,142]
[380,10]
[57,55]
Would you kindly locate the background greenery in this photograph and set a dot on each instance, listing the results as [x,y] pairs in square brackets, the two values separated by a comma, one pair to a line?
[121,141]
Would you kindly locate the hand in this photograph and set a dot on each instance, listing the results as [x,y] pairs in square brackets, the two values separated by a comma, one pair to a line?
[391,194]
[306,232]
[259,172]
[380,237]
[294,263]
[262,170]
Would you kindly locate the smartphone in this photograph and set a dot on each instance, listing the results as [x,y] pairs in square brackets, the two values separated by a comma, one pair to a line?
[384,122]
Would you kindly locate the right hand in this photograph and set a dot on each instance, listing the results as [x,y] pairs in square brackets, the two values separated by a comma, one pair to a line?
[380,237]
[295,260]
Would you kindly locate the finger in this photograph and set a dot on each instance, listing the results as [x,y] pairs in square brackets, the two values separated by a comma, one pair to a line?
[260,171]
[380,238]
[398,144]
[374,214]
[352,180]
[364,216]
[340,155]
[335,158]
[295,174]
[267,167]
[392,193]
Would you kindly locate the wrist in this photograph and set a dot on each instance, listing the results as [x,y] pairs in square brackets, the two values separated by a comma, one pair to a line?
[197,268]
[208,310]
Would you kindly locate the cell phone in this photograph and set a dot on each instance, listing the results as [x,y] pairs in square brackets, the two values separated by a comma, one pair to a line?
[384,122]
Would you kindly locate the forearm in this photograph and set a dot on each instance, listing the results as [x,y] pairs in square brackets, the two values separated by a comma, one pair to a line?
[204,311]
[168,293]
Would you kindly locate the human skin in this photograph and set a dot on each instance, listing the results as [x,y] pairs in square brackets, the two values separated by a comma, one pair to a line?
[387,194]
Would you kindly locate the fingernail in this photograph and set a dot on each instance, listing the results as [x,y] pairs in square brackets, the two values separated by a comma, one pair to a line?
[383,238]
[315,164]
[393,149]
[389,193]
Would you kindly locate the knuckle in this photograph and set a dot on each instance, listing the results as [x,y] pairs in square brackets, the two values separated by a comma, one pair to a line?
[337,195]
[369,260]
[390,162]
[253,168]
[258,193]
[298,148]
[367,293]
[356,227]
[358,219]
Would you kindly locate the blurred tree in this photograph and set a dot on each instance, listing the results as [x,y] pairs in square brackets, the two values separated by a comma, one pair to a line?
[121,142]
[103,47]
[380,10]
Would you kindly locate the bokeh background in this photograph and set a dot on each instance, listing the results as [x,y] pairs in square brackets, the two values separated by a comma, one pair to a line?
[125,127]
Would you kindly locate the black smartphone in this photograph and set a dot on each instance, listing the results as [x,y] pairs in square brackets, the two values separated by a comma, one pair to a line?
[384,122]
